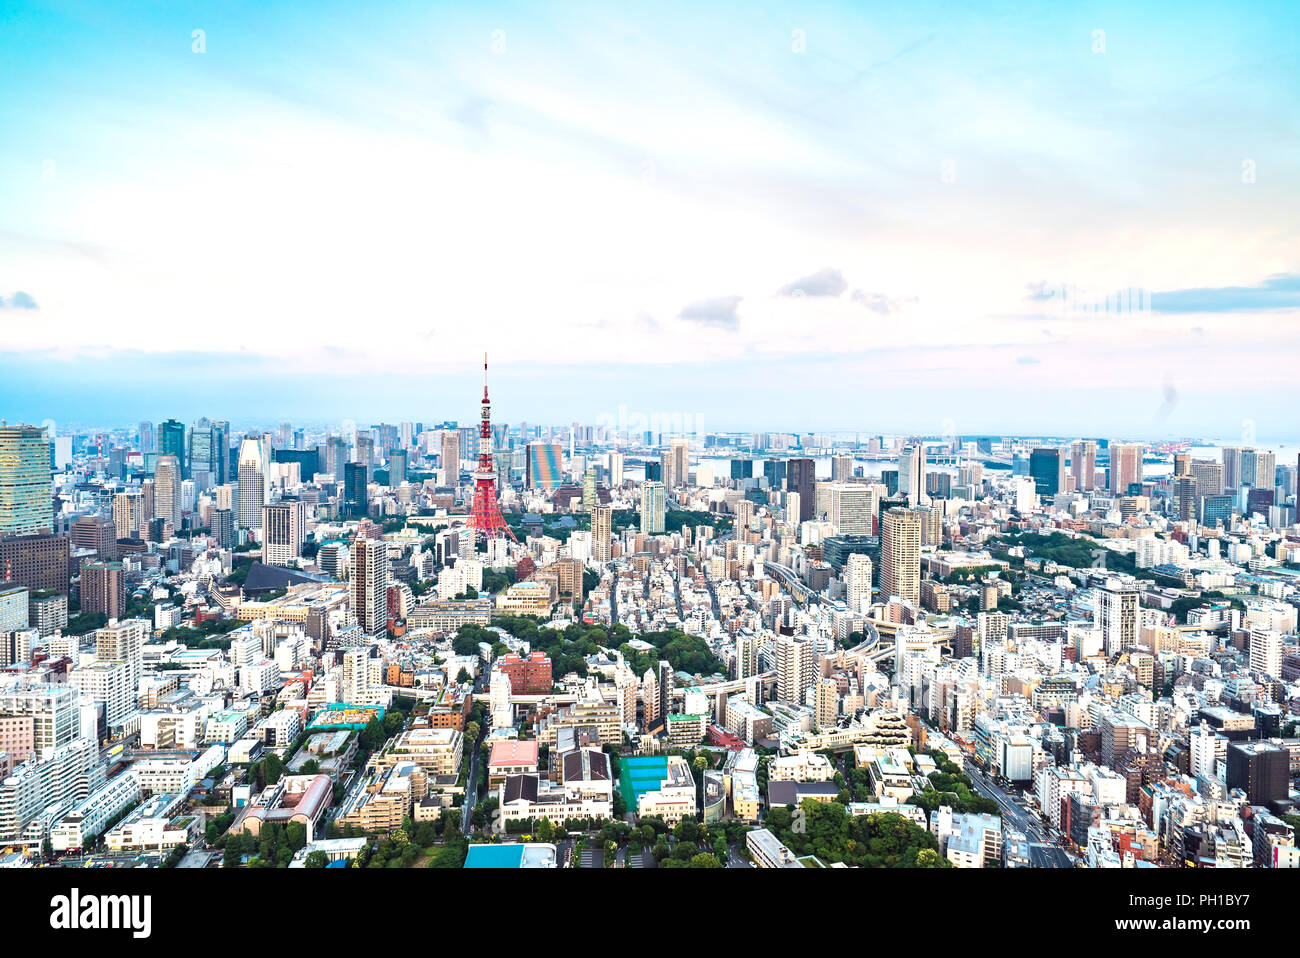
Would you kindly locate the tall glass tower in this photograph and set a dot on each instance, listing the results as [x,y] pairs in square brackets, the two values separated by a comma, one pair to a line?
[26,498]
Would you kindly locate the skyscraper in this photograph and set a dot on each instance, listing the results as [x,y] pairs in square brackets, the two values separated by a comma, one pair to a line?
[208,457]
[365,452]
[451,455]
[147,437]
[1185,499]
[252,484]
[911,474]
[171,439]
[1083,465]
[1232,468]
[167,490]
[652,507]
[774,472]
[335,456]
[128,514]
[26,497]
[1125,466]
[396,467]
[900,555]
[368,585]
[800,477]
[677,464]
[356,494]
[1259,469]
[1209,476]
[542,467]
[602,530]
[1047,469]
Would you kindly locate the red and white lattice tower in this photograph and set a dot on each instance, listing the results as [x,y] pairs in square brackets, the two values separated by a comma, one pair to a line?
[485,513]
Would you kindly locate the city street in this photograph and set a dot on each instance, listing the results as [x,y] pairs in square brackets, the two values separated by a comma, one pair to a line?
[1042,852]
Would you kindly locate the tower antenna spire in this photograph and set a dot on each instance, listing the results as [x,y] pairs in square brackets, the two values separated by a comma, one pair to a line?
[485,512]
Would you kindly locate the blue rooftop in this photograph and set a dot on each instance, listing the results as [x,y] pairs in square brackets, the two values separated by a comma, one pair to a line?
[495,856]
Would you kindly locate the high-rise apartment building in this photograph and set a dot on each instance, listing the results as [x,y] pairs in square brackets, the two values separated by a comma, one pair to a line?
[653,507]
[796,666]
[1266,652]
[96,533]
[1083,465]
[369,585]
[747,645]
[1125,466]
[123,642]
[108,686]
[1116,614]
[128,514]
[223,528]
[283,531]
[857,581]
[602,532]
[744,510]
[900,555]
[51,713]
[103,588]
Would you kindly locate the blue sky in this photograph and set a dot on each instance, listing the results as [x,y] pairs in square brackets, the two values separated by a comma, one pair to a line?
[885,217]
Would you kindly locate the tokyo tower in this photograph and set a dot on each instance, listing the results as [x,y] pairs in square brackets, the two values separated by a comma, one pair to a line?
[485,513]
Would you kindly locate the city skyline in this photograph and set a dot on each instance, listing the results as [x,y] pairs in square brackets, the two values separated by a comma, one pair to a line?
[918,214]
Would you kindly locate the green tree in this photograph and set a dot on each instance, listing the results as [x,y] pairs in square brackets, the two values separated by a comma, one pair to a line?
[295,833]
